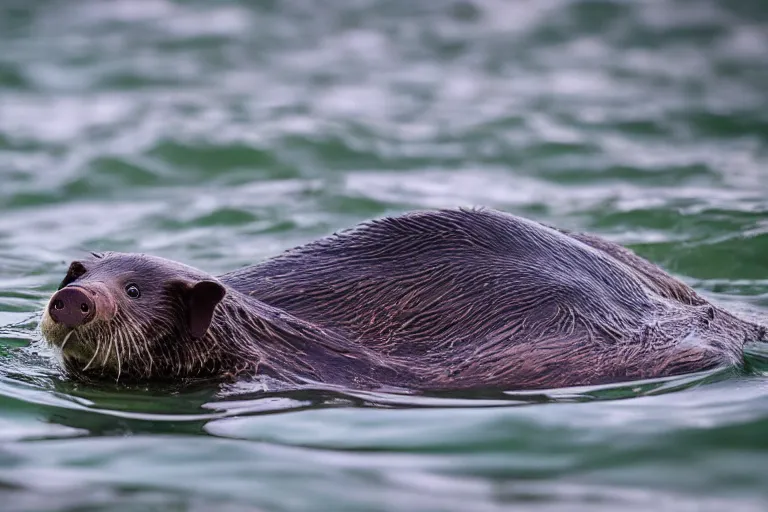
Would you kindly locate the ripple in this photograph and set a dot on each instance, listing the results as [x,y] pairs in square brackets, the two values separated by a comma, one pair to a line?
[12,77]
[215,160]
[728,125]
[122,172]
[698,262]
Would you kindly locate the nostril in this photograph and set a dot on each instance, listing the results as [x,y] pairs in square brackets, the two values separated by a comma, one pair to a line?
[72,307]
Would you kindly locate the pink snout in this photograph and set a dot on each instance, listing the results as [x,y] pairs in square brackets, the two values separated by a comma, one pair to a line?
[72,307]
[75,306]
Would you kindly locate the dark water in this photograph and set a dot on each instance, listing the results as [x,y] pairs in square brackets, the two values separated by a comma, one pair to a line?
[220,133]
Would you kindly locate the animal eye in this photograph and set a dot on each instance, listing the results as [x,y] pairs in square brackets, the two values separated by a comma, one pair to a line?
[133,291]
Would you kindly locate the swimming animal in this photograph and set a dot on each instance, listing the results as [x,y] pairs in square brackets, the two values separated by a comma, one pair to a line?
[431,300]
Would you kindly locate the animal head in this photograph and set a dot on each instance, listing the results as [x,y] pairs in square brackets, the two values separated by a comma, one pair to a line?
[133,314]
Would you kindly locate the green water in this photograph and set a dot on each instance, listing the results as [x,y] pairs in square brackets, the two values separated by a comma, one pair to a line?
[221,133]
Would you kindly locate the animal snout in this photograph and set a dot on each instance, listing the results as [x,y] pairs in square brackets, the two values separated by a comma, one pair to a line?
[72,307]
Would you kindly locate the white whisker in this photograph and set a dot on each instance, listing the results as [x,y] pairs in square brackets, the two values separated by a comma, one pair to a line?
[95,353]
[105,359]
[66,339]
[117,354]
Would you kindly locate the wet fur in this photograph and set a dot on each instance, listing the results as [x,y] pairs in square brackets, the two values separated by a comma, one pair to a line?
[450,299]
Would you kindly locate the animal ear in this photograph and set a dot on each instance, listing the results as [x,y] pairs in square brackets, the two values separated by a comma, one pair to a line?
[202,298]
[76,269]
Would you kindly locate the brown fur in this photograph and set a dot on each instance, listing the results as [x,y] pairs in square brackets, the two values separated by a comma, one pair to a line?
[450,299]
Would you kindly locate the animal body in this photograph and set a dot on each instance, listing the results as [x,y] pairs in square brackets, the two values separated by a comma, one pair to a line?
[434,300]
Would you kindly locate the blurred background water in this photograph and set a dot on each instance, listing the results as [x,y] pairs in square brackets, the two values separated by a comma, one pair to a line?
[220,133]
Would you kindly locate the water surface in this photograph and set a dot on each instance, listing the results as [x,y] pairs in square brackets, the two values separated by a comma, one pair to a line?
[221,133]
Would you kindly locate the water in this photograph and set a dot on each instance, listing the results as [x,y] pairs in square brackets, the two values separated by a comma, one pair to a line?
[221,133]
